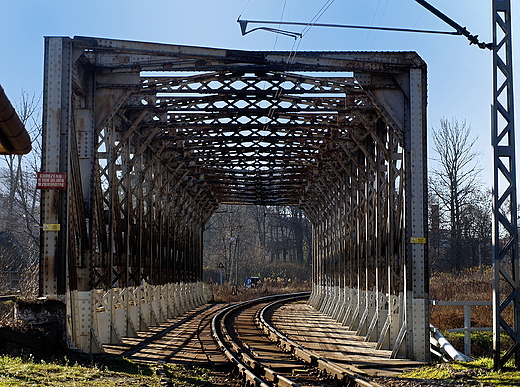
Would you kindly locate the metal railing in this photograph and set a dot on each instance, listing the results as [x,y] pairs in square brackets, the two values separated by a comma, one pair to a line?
[467,319]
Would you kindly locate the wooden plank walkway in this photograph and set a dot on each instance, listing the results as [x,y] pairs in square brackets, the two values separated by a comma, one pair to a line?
[321,334]
[185,339]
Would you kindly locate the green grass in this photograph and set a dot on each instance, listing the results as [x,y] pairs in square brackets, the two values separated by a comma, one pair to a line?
[480,370]
[481,342]
[26,371]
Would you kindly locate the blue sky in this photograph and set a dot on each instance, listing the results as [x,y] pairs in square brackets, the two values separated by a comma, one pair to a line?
[459,80]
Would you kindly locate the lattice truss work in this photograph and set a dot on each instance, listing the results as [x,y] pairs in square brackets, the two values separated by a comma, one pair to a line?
[155,137]
[506,263]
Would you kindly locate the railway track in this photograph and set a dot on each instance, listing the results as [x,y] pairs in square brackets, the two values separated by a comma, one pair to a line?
[264,357]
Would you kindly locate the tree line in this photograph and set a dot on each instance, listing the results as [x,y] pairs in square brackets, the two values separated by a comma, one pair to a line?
[257,241]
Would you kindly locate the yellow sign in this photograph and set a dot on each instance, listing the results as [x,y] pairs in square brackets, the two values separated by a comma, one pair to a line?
[51,227]
[417,240]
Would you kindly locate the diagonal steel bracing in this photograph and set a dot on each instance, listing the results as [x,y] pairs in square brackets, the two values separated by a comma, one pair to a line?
[155,137]
[506,265]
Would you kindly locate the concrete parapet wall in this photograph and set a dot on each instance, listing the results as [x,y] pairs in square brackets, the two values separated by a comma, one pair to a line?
[376,316]
[97,317]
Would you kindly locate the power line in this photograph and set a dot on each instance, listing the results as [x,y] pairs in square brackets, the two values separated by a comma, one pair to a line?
[281,19]
[473,39]
[243,9]
[317,17]
[459,30]
[415,25]
[379,23]
[372,22]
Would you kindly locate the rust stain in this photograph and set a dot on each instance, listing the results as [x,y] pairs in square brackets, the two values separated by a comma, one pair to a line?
[121,59]
[58,118]
[55,207]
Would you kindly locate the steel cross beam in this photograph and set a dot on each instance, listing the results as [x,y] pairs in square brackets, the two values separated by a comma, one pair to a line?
[506,269]
[150,159]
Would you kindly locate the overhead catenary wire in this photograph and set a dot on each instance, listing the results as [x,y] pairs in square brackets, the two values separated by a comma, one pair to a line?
[459,30]
[244,23]
[317,17]
[415,25]
[243,9]
[297,40]
[372,22]
[379,22]
[281,19]
[473,39]
[292,54]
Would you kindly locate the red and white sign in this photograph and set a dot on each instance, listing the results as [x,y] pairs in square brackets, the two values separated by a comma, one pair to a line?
[51,180]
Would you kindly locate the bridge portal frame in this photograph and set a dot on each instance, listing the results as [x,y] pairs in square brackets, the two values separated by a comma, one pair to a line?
[119,274]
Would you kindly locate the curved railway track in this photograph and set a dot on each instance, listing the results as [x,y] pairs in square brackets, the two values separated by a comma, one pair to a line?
[265,357]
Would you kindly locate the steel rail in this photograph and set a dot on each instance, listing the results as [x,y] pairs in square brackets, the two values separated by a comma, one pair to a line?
[248,367]
[340,372]
[257,373]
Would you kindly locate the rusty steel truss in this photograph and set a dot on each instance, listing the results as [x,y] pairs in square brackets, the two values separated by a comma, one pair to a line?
[155,137]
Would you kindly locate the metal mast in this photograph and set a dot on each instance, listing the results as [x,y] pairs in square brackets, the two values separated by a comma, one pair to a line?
[506,269]
[506,280]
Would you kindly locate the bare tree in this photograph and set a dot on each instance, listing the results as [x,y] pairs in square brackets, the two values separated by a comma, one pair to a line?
[455,183]
[436,253]
[477,228]
[288,234]
[261,241]
[224,237]
[20,200]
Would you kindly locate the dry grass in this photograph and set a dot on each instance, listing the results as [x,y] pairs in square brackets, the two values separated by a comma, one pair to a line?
[226,292]
[474,284]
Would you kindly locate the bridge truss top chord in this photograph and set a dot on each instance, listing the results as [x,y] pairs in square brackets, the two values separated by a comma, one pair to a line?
[154,137]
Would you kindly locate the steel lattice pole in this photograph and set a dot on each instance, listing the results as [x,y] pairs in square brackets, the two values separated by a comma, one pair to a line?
[506,284]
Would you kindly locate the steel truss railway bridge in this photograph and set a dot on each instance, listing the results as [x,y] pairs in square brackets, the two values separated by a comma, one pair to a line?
[152,138]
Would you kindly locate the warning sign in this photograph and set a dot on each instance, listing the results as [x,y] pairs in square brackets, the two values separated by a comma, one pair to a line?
[417,240]
[51,180]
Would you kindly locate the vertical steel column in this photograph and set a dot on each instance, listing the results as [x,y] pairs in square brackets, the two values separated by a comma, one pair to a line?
[505,229]
[56,138]
[394,208]
[417,293]
[85,135]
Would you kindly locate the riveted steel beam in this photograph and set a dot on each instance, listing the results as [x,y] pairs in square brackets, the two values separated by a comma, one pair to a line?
[151,158]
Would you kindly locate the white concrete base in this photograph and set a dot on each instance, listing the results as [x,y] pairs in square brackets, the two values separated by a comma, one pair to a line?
[96,317]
